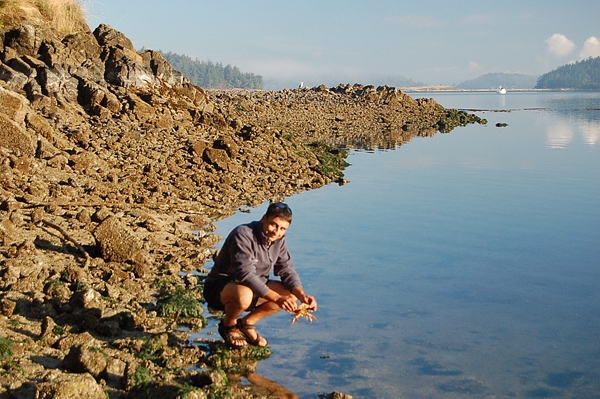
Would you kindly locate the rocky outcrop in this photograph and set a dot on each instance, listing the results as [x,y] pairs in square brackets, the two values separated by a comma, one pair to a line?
[113,168]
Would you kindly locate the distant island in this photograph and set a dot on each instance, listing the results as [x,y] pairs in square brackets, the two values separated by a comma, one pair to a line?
[496,80]
[582,75]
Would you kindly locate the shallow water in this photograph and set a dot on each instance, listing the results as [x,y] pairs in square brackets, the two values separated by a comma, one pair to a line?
[462,265]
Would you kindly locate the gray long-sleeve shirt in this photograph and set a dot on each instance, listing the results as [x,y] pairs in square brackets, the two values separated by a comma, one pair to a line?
[247,259]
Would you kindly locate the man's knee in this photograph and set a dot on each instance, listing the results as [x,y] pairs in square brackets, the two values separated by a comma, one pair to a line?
[237,295]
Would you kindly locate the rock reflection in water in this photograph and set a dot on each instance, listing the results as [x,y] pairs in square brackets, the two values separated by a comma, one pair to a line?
[263,387]
[346,116]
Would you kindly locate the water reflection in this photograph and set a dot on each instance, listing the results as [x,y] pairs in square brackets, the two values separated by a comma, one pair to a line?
[263,387]
[502,102]
[567,116]
[579,116]
[590,132]
[559,135]
[239,366]
[563,128]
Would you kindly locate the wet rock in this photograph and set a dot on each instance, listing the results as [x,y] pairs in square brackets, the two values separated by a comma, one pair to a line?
[338,395]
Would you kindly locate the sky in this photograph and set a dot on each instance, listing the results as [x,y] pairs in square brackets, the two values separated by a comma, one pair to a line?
[434,42]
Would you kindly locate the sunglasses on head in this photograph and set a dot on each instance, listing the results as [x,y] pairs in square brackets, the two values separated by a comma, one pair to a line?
[282,206]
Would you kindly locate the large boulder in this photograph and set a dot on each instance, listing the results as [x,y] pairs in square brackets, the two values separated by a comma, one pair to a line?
[117,243]
[86,359]
[69,386]
[14,137]
[25,39]
[123,65]
[80,55]
[162,69]
[13,105]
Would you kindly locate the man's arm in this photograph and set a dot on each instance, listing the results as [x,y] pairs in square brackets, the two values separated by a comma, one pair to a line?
[244,260]
[285,302]
[289,302]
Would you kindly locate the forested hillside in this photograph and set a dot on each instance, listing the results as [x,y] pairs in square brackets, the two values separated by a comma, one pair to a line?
[209,75]
[582,75]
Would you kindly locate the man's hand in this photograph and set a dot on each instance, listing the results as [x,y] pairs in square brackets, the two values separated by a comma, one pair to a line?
[304,298]
[310,301]
[287,303]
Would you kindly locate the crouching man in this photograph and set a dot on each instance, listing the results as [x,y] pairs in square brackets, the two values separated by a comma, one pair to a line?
[240,278]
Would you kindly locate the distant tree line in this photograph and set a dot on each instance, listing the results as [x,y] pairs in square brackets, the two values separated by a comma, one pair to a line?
[582,75]
[211,75]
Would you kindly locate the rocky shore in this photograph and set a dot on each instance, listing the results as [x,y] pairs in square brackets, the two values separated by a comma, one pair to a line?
[113,169]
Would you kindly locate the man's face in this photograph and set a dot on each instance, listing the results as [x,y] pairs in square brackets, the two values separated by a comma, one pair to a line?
[274,227]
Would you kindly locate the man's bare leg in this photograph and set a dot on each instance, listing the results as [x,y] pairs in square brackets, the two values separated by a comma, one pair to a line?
[264,308]
[236,299]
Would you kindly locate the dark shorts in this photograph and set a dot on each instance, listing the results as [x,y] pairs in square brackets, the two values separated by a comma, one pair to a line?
[212,294]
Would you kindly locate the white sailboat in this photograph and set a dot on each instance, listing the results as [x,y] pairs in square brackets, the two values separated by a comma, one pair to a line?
[501,90]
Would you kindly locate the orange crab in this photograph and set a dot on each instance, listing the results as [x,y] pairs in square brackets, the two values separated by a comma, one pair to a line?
[304,310]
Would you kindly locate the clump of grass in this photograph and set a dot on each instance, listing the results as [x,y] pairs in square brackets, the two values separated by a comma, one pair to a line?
[150,347]
[8,365]
[181,303]
[332,161]
[184,390]
[454,118]
[140,377]
[59,330]
[66,16]
[6,351]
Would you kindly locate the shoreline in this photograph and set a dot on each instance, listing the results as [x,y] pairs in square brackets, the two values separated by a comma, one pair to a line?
[452,89]
[107,177]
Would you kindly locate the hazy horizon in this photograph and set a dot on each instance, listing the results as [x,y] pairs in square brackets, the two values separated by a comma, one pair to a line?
[434,43]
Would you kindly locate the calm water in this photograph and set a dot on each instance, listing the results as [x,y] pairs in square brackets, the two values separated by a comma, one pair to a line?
[466,265]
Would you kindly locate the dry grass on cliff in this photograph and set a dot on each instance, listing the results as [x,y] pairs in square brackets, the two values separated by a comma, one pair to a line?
[66,16]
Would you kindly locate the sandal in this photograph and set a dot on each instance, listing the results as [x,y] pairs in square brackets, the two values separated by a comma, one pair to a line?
[252,341]
[230,336]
